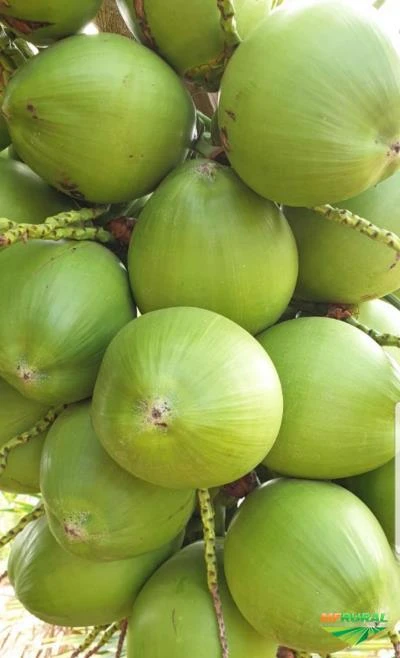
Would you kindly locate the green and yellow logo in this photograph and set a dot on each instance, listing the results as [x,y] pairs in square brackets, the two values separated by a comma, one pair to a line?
[354,627]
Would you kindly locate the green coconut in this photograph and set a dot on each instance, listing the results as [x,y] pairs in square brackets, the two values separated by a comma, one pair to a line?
[298,550]
[110,130]
[186,398]
[340,265]
[62,303]
[24,197]
[66,590]
[189,35]
[377,490]
[95,508]
[43,21]
[330,128]
[383,317]
[173,617]
[18,414]
[206,240]
[340,392]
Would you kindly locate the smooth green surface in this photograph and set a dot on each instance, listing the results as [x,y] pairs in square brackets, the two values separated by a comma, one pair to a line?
[204,239]
[337,264]
[110,130]
[383,317]
[340,392]
[24,197]
[66,590]
[297,549]
[310,103]
[62,303]
[18,414]
[62,18]
[95,508]
[377,490]
[173,616]
[188,34]
[186,398]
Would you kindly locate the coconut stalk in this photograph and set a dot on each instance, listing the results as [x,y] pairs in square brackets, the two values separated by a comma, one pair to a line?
[208,521]
[89,639]
[385,340]
[36,513]
[104,640]
[347,218]
[65,225]
[20,439]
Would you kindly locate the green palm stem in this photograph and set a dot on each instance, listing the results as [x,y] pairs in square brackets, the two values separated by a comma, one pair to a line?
[347,218]
[36,513]
[56,227]
[13,51]
[228,24]
[204,147]
[385,340]
[204,120]
[89,639]
[64,219]
[41,426]
[393,300]
[122,637]
[25,232]
[105,638]
[379,3]
[207,518]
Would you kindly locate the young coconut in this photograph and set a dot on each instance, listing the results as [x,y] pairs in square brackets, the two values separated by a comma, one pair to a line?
[338,264]
[205,239]
[377,489]
[18,414]
[328,131]
[95,508]
[41,22]
[144,118]
[66,590]
[186,398]
[173,616]
[340,391]
[24,197]
[62,303]
[333,556]
[200,51]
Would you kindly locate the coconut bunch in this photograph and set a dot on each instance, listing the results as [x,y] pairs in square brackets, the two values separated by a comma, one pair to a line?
[199,326]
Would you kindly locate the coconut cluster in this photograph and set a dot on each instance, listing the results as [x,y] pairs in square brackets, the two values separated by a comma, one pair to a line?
[199,328]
